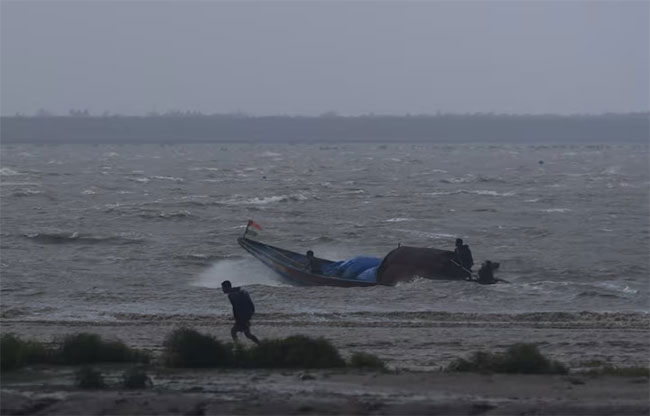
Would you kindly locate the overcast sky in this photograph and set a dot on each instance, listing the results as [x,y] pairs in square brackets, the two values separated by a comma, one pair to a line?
[310,57]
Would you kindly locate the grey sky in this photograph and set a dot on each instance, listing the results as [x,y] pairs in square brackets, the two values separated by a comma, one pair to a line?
[311,57]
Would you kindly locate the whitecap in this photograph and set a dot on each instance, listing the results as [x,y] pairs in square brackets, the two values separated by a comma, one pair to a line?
[270,154]
[457,180]
[441,193]
[19,184]
[492,193]
[88,192]
[612,170]
[617,287]
[265,200]
[168,178]
[399,219]
[9,172]
[555,210]
[141,180]
[176,214]
[475,192]
[26,192]
[434,235]
[194,197]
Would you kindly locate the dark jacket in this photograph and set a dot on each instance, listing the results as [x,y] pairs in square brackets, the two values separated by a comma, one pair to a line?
[242,305]
[464,256]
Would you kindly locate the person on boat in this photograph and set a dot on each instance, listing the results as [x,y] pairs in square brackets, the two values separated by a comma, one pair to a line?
[242,310]
[485,273]
[312,264]
[464,255]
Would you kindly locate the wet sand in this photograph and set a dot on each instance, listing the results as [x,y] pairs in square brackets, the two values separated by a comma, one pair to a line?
[206,392]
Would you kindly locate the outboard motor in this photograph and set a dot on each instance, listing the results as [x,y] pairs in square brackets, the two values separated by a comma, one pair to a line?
[486,272]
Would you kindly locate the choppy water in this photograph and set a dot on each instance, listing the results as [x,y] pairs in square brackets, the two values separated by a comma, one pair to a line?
[111,233]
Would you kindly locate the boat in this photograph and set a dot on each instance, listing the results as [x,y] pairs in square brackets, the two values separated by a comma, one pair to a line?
[292,266]
[401,264]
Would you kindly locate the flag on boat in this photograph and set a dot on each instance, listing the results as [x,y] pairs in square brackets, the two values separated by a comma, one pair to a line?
[251,227]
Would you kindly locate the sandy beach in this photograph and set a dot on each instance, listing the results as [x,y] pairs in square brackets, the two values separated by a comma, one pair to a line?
[415,349]
[206,392]
[418,341]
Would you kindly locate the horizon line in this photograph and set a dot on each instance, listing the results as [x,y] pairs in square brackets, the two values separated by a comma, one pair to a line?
[329,114]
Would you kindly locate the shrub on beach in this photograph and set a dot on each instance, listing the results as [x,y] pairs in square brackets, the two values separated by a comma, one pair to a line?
[526,359]
[15,352]
[188,348]
[518,358]
[366,360]
[296,351]
[84,348]
[136,378]
[89,378]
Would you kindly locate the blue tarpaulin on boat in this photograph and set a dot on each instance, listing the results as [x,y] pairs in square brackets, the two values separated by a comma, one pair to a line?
[369,275]
[354,268]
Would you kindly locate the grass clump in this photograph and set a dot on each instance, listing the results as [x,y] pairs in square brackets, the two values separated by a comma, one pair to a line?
[89,378]
[296,351]
[85,348]
[518,358]
[15,352]
[187,348]
[366,360]
[136,378]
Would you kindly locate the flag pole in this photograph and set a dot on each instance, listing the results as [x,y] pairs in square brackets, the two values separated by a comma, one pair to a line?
[246,230]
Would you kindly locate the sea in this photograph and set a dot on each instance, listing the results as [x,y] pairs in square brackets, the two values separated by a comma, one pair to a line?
[115,233]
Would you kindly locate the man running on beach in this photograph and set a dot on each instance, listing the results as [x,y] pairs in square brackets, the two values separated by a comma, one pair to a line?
[242,309]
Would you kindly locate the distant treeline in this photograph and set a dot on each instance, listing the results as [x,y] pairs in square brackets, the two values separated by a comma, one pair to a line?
[445,128]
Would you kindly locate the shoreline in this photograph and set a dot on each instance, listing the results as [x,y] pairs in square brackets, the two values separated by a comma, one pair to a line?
[412,341]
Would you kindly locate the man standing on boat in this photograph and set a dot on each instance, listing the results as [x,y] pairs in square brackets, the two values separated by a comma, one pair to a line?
[242,310]
[464,255]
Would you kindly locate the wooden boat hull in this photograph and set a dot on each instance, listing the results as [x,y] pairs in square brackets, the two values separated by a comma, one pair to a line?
[291,266]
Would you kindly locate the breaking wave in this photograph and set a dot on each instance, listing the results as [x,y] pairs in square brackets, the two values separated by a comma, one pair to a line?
[241,272]
[63,237]
[9,172]
[473,192]
[26,192]
[265,200]
[167,215]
